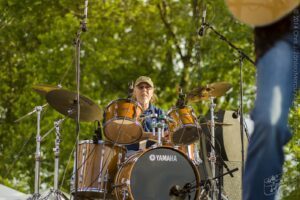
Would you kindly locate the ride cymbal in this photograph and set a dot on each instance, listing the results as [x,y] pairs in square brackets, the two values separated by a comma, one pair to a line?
[65,102]
[43,89]
[211,90]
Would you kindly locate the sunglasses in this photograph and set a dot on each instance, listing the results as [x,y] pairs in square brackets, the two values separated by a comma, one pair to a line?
[147,87]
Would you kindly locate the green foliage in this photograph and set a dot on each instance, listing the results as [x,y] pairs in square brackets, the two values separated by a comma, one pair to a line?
[125,39]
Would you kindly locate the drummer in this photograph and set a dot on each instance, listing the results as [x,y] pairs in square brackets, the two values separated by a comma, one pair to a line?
[143,93]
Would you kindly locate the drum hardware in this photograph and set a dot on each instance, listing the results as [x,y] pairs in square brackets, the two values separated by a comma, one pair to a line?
[65,102]
[212,152]
[228,137]
[204,186]
[37,110]
[181,193]
[160,125]
[55,192]
[75,98]
[118,185]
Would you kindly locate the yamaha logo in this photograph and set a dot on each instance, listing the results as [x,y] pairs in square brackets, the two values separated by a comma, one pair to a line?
[165,158]
[152,157]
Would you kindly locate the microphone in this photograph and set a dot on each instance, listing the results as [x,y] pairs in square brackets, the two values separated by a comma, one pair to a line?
[98,133]
[236,114]
[130,90]
[84,28]
[181,99]
[203,23]
[176,193]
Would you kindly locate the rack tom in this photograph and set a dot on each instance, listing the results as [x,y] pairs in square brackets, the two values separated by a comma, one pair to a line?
[121,121]
[185,128]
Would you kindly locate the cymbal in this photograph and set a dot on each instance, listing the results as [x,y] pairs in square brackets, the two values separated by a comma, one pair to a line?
[216,123]
[65,102]
[43,89]
[211,90]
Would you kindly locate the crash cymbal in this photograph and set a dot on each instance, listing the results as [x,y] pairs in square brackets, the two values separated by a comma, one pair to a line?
[43,89]
[216,123]
[65,102]
[208,91]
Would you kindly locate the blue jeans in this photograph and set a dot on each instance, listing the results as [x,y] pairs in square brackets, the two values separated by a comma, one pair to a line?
[277,83]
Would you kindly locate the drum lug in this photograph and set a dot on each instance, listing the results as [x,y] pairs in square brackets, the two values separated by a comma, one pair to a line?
[125,194]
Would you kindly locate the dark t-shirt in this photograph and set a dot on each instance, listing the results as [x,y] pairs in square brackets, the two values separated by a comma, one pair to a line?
[265,37]
[147,125]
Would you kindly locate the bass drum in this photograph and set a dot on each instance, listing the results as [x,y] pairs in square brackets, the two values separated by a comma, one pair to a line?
[154,174]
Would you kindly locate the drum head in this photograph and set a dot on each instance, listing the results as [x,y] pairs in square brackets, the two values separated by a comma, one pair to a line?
[158,170]
[187,134]
[123,131]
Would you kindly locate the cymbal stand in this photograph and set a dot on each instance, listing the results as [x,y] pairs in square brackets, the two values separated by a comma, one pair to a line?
[55,192]
[38,110]
[212,152]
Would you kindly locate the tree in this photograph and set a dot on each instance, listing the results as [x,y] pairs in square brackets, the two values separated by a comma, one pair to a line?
[125,39]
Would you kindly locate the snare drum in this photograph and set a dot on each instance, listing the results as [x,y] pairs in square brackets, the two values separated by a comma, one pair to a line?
[121,121]
[97,166]
[185,128]
[153,173]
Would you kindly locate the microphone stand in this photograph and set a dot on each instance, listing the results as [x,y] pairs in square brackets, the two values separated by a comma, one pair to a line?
[77,43]
[188,187]
[242,56]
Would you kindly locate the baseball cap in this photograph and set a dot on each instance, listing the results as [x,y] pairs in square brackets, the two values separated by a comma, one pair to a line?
[143,79]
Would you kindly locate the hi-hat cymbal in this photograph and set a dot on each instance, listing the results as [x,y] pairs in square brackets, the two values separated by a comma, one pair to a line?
[43,89]
[65,102]
[208,91]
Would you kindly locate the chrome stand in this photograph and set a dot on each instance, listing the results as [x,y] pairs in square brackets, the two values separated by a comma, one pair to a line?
[55,193]
[212,156]
[36,194]
[160,126]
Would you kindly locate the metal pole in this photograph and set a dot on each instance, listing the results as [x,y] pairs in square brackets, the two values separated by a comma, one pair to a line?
[38,153]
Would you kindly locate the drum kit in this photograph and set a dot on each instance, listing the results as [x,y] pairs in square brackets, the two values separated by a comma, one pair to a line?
[176,167]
